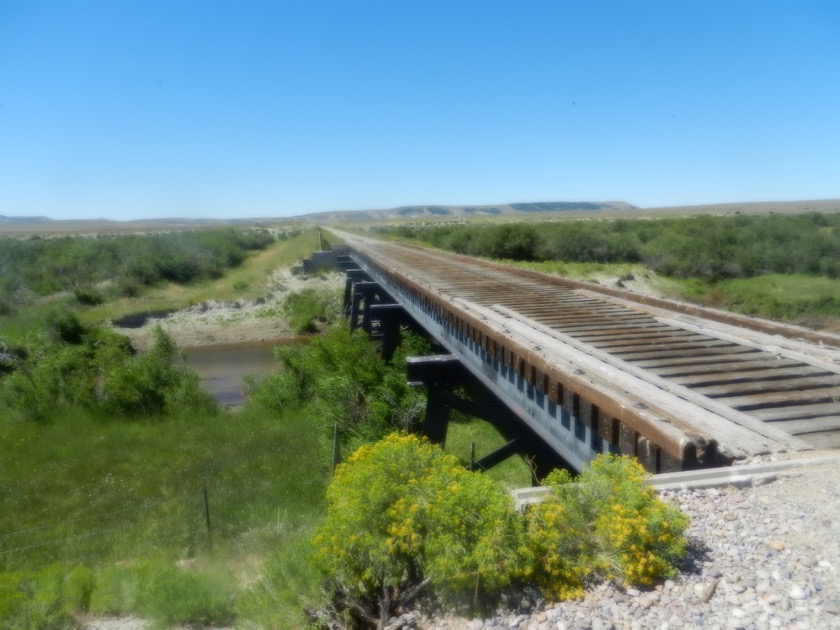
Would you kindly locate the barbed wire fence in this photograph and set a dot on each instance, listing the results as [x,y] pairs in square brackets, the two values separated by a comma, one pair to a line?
[136,528]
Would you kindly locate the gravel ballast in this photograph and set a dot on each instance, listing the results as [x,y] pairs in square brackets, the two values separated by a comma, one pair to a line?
[762,557]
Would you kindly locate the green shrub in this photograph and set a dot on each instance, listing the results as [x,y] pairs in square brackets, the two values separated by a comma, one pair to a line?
[151,384]
[347,384]
[50,377]
[44,599]
[710,247]
[311,309]
[402,514]
[70,365]
[131,262]
[88,296]
[161,591]
[6,306]
[63,326]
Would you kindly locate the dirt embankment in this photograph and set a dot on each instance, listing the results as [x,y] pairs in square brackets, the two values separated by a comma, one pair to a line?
[241,321]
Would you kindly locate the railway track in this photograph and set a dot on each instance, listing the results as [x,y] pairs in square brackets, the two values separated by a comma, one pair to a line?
[659,379]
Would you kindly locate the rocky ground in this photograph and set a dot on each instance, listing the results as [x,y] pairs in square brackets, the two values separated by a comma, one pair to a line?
[762,557]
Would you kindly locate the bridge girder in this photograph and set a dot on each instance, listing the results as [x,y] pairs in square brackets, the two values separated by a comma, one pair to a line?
[564,432]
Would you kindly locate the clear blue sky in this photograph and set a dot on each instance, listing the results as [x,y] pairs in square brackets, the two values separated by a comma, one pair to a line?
[138,109]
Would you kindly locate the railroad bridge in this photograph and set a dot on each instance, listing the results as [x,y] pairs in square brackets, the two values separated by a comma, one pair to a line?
[567,369]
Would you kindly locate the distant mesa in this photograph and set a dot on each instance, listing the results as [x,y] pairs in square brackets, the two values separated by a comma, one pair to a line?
[405,212]
[574,209]
[37,224]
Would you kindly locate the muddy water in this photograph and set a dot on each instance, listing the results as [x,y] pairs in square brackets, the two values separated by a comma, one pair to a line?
[223,367]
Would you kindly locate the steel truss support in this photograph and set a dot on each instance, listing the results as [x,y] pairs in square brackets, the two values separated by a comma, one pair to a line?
[442,375]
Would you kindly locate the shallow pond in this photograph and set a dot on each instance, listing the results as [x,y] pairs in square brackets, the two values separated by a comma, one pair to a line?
[223,367]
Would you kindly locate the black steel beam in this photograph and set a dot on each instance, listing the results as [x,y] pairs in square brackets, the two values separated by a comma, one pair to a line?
[496,457]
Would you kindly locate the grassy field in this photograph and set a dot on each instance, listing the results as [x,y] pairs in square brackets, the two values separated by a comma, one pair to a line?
[126,501]
[80,491]
[181,519]
[807,300]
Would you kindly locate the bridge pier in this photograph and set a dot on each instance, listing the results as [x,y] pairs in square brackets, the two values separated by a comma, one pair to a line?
[390,318]
[368,307]
[366,296]
[442,375]
[353,276]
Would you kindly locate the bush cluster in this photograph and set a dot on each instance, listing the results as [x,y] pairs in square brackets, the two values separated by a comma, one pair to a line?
[405,518]
[309,310]
[129,263]
[606,524]
[67,364]
[403,514]
[350,389]
[710,247]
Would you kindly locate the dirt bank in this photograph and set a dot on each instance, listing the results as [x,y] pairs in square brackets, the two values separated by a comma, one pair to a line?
[241,321]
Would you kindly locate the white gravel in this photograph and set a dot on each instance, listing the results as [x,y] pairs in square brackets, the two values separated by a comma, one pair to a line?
[763,557]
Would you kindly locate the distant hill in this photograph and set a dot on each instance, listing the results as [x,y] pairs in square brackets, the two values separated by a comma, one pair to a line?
[45,225]
[4,219]
[409,212]
[573,209]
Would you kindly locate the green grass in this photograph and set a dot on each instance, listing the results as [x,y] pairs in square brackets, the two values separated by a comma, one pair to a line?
[578,271]
[127,499]
[794,297]
[807,300]
[144,482]
[167,593]
[460,436]
[581,271]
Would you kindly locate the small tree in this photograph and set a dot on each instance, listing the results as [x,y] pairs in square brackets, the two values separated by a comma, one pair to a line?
[152,384]
[348,385]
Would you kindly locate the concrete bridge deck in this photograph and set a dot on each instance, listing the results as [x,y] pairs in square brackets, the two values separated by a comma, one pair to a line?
[590,369]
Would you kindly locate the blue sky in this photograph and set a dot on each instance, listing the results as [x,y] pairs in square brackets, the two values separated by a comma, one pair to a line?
[139,109]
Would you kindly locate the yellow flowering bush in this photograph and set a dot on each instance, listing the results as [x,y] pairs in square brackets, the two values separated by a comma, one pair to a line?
[403,515]
[562,554]
[606,524]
